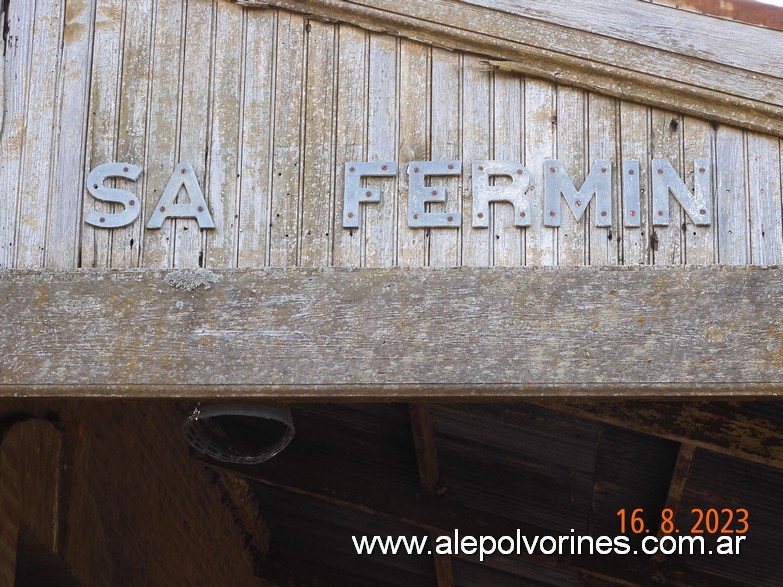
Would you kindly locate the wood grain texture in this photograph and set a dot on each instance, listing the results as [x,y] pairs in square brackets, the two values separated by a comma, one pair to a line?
[227,108]
[268,106]
[698,142]
[17,60]
[571,135]
[255,169]
[540,144]
[133,126]
[39,130]
[508,144]
[596,50]
[414,117]
[287,145]
[380,220]
[164,124]
[102,125]
[67,157]
[446,145]
[424,333]
[199,72]
[350,134]
[666,138]
[766,238]
[318,165]
[635,144]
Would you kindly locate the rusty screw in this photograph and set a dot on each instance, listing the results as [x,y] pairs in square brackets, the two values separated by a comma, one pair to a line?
[702,170]
[131,202]
[163,208]
[450,218]
[480,214]
[520,171]
[125,169]
[481,168]
[368,193]
[350,214]
[552,213]
[633,213]
[522,214]
[184,171]
[660,172]
[415,216]
[451,166]
[660,212]
[102,219]
[702,211]
[415,170]
[603,169]
[434,192]
[603,213]
[352,169]
[201,208]
[631,172]
[551,170]
[578,202]
[384,167]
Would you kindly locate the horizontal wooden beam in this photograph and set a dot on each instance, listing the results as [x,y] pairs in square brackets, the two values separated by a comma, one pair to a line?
[635,51]
[466,333]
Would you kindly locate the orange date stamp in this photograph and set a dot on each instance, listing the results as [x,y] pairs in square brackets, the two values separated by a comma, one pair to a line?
[721,521]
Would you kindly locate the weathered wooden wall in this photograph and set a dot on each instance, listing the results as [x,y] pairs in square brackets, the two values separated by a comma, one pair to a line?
[268,105]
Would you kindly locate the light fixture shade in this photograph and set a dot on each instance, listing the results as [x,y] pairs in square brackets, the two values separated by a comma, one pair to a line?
[239,433]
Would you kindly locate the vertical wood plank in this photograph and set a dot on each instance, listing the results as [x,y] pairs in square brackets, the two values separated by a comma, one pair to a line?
[134,108]
[666,137]
[17,63]
[163,125]
[222,187]
[699,241]
[603,135]
[415,95]
[256,164]
[380,220]
[287,141]
[102,123]
[572,152]
[35,175]
[766,236]
[508,241]
[68,161]
[351,135]
[476,135]
[540,128]
[731,208]
[635,144]
[446,145]
[197,111]
[317,199]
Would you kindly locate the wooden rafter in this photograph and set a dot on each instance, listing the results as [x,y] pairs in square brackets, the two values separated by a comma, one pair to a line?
[423,433]
[720,427]
[426,450]
[682,467]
